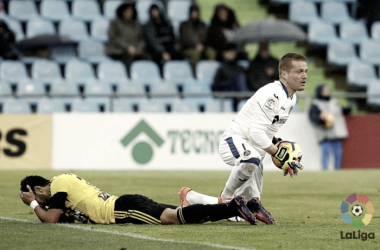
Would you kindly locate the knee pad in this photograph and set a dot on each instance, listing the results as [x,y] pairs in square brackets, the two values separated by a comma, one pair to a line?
[248,168]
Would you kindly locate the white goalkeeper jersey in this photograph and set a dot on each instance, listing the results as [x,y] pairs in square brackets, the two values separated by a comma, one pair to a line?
[263,115]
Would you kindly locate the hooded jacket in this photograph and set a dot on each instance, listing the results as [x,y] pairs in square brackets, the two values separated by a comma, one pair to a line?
[191,31]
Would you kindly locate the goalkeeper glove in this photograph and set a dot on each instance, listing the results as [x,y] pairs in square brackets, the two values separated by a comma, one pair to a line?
[275,140]
[288,161]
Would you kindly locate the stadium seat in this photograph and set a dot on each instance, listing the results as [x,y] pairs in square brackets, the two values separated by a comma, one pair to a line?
[205,70]
[63,54]
[215,105]
[353,32]
[45,71]
[125,104]
[183,106]
[373,88]
[163,89]
[177,71]
[321,33]
[370,51]
[75,29]
[99,29]
[28,87]
[78,71]
[93,87]
[359,74]
[64,88]
[303,13]
[142,8]
[152,106]
[244,64]
[375,30]
[139,71]
[196,88]
[54,10]
[86,10]
[178,10]
[92,51]
[5,89]
[335,12]
[39,26]
[12,71]
[16,27]
[15,106]
[340,53]
[90,105]
[128,88]
[112,72]
[110,7]
[49,106]
[22,10]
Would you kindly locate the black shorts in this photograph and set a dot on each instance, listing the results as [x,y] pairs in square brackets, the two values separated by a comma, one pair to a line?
[138,209]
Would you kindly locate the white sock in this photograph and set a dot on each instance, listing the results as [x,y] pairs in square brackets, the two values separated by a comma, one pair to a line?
[197,198]
[236,179]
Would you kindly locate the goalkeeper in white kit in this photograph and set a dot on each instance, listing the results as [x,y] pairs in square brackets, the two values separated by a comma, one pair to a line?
[252,134]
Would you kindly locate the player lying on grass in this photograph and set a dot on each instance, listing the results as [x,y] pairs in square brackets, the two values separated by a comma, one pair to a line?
[67,197]
[251,135]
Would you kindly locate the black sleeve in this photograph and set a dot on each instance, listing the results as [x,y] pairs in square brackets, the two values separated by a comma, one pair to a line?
[220,81]
[314,115]
[58,200]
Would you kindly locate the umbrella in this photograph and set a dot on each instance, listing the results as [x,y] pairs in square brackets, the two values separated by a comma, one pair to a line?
[269,30]
[45,40]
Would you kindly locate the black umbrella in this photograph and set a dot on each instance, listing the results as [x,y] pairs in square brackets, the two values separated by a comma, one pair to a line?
[45,41]
[269,30]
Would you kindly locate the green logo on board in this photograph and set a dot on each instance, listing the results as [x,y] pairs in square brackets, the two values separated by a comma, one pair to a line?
[142,152]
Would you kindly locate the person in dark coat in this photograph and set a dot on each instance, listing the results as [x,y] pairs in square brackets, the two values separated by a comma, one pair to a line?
[125,36]
[7,41]
[160,37]
[193,37]
[262,69]
[328,117]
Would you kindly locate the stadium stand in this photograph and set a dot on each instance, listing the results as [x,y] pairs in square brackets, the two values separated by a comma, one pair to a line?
[22,10]
[54,10]
[112,72]
[353,32]
[78,71]
[340,53]
[99,28]
[75,29]
[335,12]
[62,88]
[321,33]
[360,73]
[48,106]
[92,51]
[45,71]
[28,87]
[370,51]
[15,106]
[12,71]
[86,10]
[109,8]
[5,89]
[303,13]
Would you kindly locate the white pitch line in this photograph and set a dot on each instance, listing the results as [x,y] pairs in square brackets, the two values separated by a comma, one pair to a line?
[136,236]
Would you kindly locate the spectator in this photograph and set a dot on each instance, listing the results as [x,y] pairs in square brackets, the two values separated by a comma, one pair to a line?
[125,36]
[262,69]
[223,25]
[369,10]
[7,42]
[328,116]
[160,37]
[193,36]
[230,76]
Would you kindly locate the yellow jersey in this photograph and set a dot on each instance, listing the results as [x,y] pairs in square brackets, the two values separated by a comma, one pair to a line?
[87,203]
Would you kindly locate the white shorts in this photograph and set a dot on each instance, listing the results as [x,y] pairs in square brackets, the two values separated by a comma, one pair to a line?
[231,151]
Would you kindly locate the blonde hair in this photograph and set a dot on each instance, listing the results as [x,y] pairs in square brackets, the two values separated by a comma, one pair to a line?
[286,61]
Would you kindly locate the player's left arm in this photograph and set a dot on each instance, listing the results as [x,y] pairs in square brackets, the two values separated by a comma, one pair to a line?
[49,216]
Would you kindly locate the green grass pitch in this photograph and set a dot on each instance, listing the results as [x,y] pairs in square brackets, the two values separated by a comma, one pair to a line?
[307,209]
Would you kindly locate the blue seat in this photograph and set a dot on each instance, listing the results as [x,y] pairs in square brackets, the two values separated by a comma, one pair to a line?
[99,29]
[196,88]
[16,27]
[321,33]
[151,106]
[90,105]
[54,10]
[5,89]
[359,74]
[244,64]
[22,10]
[125,104]
[86,10]
[163,89]
[206,70]
[27,87]
[130,88]
[49,106]
[353,32]
[12,71]
[15,106]
[213,105]
[64,88]
[142,8]
[375,30]
[75,29]
[139,71]
[178,10]
[110,7]
[335,12]
[373,88]
[303,13]
[97,88]
[178,71]
[370,51]
[45,70]
[183,106]
[340,53]
[63,54]
[112,71]
[92,51]
[78,71]
[39,26]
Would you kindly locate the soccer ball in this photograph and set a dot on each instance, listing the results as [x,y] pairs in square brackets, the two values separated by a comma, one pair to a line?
[357,210]
[294,147]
